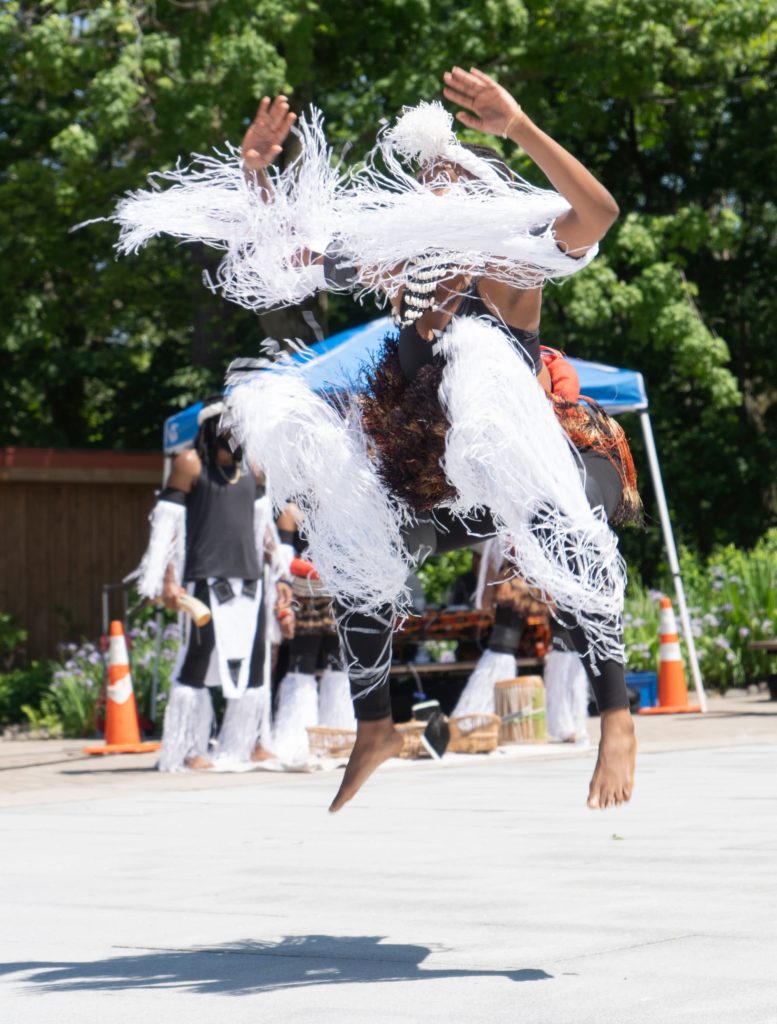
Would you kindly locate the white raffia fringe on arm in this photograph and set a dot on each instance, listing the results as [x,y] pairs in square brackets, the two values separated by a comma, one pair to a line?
[211,201]
[505,451]
[374,218]
[311,455]
[166,546]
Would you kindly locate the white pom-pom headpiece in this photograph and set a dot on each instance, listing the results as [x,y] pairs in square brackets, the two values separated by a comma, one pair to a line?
[425,134]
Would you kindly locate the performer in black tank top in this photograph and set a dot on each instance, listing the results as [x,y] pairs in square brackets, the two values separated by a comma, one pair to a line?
[225,536]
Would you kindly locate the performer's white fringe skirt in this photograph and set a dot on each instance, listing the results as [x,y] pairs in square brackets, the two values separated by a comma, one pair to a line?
[566,696]
[478,694]
[297,709]
[187,727]
[314,456]
[241,726]
[505,452]
[335,707]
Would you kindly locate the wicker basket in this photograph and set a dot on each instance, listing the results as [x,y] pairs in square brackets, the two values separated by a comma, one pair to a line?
[412,732]
[326,742]
[522,702]
[474,734]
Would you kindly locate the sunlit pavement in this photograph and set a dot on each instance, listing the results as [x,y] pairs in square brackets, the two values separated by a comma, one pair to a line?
[481,889]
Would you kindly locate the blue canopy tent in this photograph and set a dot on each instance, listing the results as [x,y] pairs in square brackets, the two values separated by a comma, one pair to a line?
[337,360]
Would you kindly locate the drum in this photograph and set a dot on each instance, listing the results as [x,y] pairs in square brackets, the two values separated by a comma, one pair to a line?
[520,703]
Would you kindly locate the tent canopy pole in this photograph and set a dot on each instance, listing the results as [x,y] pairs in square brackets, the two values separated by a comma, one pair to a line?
[671,551]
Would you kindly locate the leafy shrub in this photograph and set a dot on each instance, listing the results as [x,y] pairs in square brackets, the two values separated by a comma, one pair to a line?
[23,686]
[732,600]
[69,700]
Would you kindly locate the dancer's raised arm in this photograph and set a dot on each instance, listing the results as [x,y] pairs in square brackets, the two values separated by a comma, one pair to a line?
[490,108]
[263,141]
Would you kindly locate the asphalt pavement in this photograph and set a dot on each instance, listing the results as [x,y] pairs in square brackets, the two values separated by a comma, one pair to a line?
[477,890]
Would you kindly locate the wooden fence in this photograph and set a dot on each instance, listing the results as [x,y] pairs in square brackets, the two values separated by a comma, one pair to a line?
[70,521]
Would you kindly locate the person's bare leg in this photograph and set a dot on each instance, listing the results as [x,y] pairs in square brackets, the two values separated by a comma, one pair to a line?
[259,753]
[613,778]
[198,763]
[376,742]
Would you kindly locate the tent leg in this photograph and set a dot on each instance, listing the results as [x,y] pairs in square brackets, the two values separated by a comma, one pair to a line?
[671,551]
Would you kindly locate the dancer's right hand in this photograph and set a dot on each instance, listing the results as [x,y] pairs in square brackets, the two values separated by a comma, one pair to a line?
[266,134]
[171,596]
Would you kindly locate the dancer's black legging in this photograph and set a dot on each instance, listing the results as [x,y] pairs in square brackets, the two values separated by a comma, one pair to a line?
[366,639]
[312,650]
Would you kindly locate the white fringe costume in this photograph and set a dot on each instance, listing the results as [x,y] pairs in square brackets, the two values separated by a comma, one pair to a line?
[478,695]
[335,707]
[566,697]
[505,449]
[297,709]
[371,218]
[187,727]
[189,716]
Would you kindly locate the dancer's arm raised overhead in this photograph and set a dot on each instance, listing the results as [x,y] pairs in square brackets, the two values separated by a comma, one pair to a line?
[490,108]
[263,141]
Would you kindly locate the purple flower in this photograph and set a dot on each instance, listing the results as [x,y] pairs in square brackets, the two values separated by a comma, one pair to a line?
[717,585]
[744,631]
[711,620]
[721,641]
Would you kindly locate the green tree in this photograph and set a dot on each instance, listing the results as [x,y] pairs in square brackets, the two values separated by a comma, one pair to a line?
[669,102]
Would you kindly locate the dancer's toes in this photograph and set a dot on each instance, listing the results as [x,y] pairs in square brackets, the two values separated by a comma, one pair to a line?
[613,778]
[260,754]
[198,763]
[375,743]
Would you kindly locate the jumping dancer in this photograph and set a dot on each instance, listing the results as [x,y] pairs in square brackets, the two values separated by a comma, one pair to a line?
[453,436]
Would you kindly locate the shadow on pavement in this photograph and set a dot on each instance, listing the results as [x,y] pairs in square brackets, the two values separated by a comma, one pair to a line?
[252,966]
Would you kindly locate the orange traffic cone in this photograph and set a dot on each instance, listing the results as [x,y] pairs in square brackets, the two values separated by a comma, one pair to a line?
[672,688]
[122,735]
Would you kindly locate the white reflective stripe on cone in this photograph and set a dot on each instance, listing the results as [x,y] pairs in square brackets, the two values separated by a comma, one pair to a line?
[667,621]
[117,651]
[121,691]
[670,652]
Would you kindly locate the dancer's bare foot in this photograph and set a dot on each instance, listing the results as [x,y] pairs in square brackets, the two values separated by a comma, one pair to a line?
[260,754]
[198,763]
[613,778]
[375,743]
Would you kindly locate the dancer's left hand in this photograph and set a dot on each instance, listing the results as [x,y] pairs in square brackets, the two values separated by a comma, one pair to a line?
[488,107]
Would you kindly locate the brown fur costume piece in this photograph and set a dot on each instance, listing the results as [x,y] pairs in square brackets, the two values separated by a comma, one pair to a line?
[406,424]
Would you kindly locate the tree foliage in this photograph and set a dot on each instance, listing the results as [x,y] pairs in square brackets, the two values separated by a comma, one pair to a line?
[670,102]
